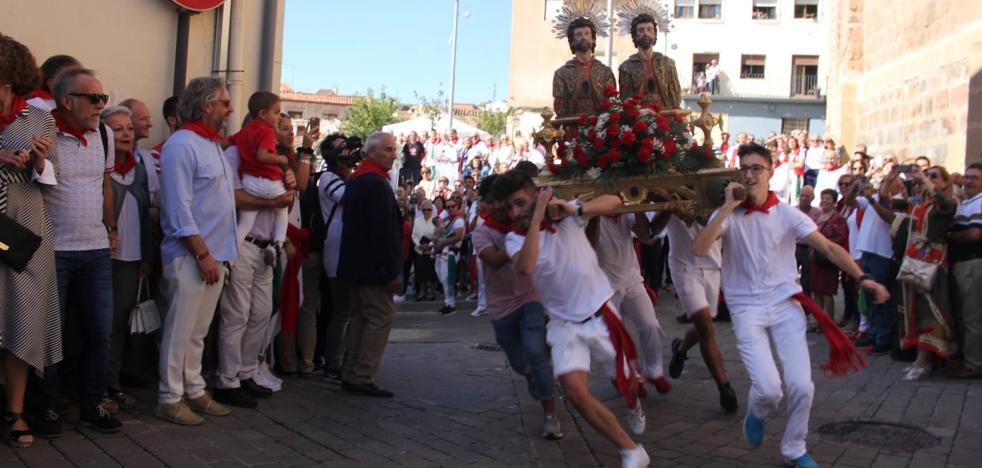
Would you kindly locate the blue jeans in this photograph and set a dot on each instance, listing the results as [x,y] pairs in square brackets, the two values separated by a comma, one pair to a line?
[881,315]
[522,334]
[85,281]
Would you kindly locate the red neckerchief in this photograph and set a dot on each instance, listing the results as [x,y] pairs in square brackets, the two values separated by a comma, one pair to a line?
[834,168]
[203,130]
[496,225]
[65,127]
[778,164]
[764,208]
[543,226]
[18,105]
[122,168]
[843,355]
[859,218]
[369,167]
[41,93]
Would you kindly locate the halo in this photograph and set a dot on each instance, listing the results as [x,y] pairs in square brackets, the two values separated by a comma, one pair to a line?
[630,9]
[575,9]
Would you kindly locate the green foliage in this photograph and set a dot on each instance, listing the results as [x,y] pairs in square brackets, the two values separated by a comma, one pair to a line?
[369,114]
[432,108]
[493,122]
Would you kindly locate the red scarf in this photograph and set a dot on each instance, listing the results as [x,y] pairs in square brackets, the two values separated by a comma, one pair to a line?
[628,369]
[543,226]
[496,225]
[123,168]
[18,105]
[290,286]
[370,167]
[750,207]
[65,127]
[41,93]
[834,168]
[859,218]
[843,355]
[203,130]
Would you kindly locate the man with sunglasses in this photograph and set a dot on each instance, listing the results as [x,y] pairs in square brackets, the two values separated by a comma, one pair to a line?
[765,301]
[81,207]
[965,248]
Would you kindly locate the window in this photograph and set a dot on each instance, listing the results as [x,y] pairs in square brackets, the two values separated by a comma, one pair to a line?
[295,114]
[710,9]
[792,124]
[701,80]
[765,10]
[806,9]
[552,9]
[804,75]
[685,8]
[752,66]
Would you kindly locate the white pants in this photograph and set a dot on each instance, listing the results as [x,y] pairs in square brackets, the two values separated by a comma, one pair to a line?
[267,190]
[482,297]
[246,306]
[576,345]
[635,305]
[785,323]
[443,272]
[190,306]
[697,288]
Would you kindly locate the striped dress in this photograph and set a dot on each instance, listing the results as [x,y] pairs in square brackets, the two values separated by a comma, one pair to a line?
[30,321]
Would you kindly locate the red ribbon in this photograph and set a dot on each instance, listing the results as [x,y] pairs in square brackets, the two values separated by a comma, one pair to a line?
[843,355]
[18,105]
[203,130]
[764,208]
[65,127]
[127,165]
[290,287]
[628,369]
[370,167]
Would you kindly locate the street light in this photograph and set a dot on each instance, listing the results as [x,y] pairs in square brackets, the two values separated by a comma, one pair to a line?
[453,61]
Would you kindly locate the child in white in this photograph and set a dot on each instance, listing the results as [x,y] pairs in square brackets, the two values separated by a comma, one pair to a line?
[262,168]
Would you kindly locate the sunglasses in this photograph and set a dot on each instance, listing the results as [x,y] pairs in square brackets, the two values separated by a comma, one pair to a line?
[94,98]
[755,169]
[933,175]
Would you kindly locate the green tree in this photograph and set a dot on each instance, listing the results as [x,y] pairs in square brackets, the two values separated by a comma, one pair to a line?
[369,114]
[432,108]
[493,122]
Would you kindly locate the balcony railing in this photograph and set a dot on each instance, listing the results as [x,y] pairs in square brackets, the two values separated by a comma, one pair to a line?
[748,75]
[804,85]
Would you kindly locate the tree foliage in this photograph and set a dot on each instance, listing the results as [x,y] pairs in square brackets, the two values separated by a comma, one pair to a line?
[369,114]
[493,122]
[432,108]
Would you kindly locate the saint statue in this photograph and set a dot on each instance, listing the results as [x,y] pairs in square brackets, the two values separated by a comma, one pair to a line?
[648,73]
[578,87]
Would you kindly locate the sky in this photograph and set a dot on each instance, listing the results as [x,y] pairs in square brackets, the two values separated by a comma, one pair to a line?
[401,46]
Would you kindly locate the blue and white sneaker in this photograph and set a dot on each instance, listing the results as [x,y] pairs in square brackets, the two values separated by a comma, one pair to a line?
[753,430]
[804,461]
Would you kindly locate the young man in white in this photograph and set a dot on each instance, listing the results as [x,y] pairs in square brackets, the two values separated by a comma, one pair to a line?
[758,241]
[697,283]
[575,291]
[615,252]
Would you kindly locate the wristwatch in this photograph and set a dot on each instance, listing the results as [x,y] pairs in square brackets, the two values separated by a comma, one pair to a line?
[865,277]
[303,150]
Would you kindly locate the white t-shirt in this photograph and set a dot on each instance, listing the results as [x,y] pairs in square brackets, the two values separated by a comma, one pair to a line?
[781,182]
[680,255]
[970,212]
[874,234]
[75,203]
[128,223]
[815,158]
[827,180]
[615,251]
[567,274]
[852,222]
[760,269]
[330,189]
[457,223]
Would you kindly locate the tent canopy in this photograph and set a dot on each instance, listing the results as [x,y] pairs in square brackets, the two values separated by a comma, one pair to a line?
[424,124]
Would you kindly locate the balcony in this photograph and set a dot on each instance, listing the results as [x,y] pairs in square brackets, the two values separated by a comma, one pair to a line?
[804,85]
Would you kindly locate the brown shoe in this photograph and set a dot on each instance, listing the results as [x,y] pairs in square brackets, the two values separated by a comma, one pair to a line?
[204,404]
[178,413]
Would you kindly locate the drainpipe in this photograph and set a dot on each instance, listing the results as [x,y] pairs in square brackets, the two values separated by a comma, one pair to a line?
[235,71]
[268,47]
[181,51]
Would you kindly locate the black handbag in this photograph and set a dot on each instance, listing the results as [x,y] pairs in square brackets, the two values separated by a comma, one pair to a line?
[17,244]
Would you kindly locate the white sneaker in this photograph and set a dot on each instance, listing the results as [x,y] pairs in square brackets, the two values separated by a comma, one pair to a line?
[399,298]
[265,378]
[635,458]
[918,373]
[636,419]
[551,429]
[479,312]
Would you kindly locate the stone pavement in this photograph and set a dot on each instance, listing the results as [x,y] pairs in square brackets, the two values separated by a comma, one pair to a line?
[459,405]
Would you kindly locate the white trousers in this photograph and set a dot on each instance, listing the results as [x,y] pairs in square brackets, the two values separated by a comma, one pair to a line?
[785,324]
[635,305]
[267,190]
[482,297]
[442,267]
[190,306]
[247,303]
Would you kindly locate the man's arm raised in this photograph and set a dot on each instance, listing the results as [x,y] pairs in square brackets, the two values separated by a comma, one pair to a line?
[705,239]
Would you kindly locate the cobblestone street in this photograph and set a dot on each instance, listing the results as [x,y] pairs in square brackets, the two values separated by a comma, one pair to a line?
[457,404]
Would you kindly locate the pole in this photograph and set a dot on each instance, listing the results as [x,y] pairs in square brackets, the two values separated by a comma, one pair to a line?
[453,60]
[181,51]
[267,49]
[609,50]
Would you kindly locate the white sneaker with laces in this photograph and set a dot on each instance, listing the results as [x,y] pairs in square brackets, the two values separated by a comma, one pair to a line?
[265,378]
[398,298]
[636,420]
[551,429]
[635,458]
[479,312]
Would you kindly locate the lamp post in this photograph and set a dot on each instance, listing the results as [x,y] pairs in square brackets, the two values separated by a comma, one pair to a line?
[453,61]
[608,51]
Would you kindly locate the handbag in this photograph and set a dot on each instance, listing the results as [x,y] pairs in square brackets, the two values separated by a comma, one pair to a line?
[144,316]
[17,244]
[922,260]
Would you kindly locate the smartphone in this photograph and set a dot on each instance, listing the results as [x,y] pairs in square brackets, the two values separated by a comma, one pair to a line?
[906,168]
[314,123]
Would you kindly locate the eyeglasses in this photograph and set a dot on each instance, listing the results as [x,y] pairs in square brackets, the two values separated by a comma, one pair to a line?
[755,169]
[94,98]
[933,175]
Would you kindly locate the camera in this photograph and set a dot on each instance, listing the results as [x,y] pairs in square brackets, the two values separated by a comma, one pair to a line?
[906,168]
[348,154]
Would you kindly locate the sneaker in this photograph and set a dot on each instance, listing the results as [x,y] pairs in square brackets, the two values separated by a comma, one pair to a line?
[369,390]
[662,385]
[551,429]
[635,458]
[256,390]
[447,310]
[110,405]
[683,318]
[47,424]
[266,378]
[235,397]
[753,430]
[332,376]
[917,373]
[178,413]
[728,398]
[804,461]
[205,404]
[677,364]
[636,420]
[472,297]
[479,312]
[99,419]
[399,298]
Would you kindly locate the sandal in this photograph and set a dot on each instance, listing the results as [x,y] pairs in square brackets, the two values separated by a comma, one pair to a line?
[110,406]
[15,437]
[121,398]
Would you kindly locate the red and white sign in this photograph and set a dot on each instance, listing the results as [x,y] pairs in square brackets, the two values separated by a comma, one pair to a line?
[199,5]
